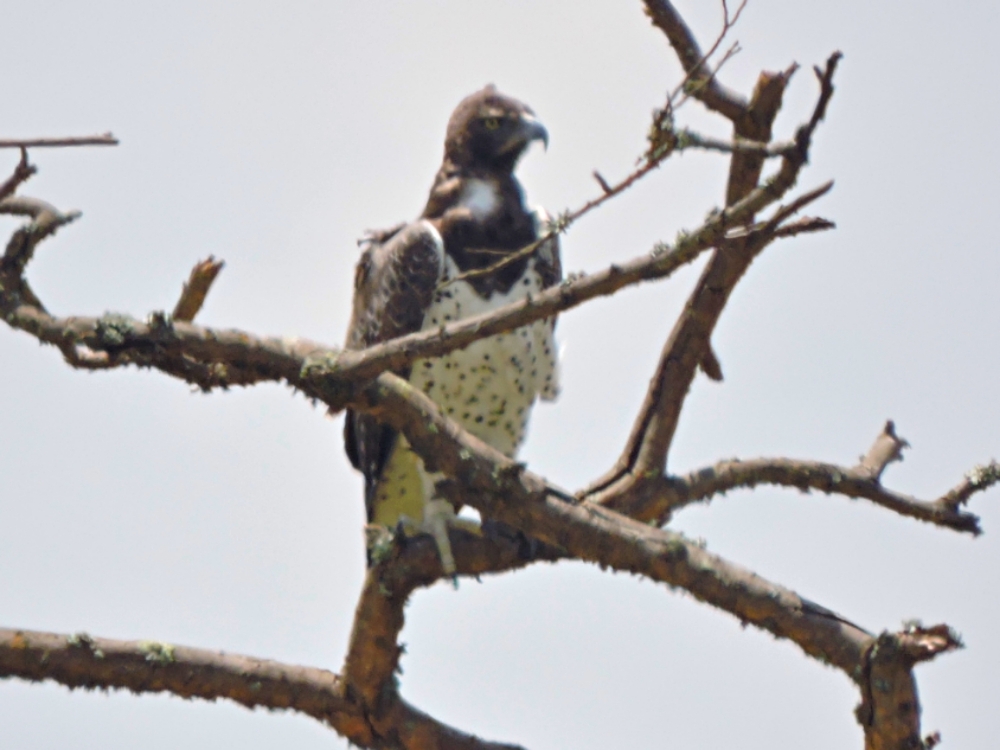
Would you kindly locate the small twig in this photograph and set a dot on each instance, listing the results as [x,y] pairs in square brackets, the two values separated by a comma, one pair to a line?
[196,289]
[689,139]
[22,172]
[602,182]
[803,226]
[783,213]
[91,140]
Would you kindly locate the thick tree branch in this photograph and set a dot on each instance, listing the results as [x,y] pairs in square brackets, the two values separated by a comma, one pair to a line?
[363,705]
[153,667]
[502,489]
[403,565]
[890,709]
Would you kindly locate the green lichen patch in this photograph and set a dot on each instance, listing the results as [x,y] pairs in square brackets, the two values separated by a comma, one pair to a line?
[158,652]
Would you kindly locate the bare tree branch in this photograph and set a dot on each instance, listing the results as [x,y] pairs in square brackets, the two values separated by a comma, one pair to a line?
[373,654]
[212,358]
[805,225]
[502,489]
[91,140]
[689,139]
[689,86]
[45,220]
[153,667]
[706,483]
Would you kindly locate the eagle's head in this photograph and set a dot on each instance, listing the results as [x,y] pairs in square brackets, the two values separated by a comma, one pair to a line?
[490,131]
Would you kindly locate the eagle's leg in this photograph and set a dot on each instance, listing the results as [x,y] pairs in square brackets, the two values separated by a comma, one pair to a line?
[439,516]
[406,499]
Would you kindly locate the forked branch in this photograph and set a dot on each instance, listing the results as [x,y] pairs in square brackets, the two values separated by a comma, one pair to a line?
[644,457]
[657,499]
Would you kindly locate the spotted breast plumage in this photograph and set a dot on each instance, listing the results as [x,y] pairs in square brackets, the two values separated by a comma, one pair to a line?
[446,266]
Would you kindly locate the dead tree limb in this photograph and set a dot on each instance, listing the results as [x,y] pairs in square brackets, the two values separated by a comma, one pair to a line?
[657,499]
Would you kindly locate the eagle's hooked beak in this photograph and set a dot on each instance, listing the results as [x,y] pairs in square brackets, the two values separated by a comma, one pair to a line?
[528,129]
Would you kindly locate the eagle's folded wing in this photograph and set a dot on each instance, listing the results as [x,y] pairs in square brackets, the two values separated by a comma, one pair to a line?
[393,286]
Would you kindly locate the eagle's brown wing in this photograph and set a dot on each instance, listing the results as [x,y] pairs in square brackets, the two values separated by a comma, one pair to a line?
[393,286]
[549,261]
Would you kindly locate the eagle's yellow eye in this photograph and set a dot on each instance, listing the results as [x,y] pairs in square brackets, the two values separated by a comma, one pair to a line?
[492,123]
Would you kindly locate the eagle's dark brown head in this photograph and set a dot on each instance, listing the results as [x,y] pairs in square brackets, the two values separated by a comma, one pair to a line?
[489,131]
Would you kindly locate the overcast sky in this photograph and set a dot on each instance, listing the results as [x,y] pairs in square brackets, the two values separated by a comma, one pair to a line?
[273,135]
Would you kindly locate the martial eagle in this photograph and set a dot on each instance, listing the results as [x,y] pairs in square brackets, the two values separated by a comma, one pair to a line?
[410,279]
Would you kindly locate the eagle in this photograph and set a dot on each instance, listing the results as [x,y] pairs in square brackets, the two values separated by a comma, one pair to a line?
[458,259]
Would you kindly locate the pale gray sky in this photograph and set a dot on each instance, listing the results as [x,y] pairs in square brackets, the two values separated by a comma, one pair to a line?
[273,135]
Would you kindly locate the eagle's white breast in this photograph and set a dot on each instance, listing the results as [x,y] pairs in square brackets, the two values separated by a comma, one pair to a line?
[490,386]
[480,197]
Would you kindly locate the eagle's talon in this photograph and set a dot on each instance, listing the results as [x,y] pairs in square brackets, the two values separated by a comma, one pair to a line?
[438,516]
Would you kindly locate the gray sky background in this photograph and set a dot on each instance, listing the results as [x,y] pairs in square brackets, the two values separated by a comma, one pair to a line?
[273,135]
